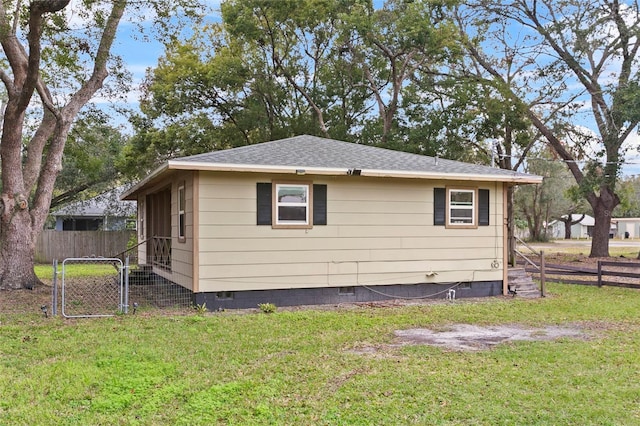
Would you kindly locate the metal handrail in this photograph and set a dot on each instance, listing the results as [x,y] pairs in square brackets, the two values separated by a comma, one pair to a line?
[540,268]
[529,261]
[160,251]
[122,253]
[520,241]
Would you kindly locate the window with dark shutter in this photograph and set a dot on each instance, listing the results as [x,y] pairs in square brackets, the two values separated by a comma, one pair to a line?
[460,209]
[483,207]
[265,200]
[439,206]
[182,213]
[264,203]
[319,204]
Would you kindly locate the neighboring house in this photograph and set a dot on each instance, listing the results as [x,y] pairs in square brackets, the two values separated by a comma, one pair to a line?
[307,220]
[580,230]
[106,212]
[627,227]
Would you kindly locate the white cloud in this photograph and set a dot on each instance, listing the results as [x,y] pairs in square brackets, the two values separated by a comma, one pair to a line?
[632,159]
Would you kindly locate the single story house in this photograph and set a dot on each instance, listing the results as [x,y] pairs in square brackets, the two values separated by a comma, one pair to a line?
[309,220]
[580,230]
[105,212]
[583,229]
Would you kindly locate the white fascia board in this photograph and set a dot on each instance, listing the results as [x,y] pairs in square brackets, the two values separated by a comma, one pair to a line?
[515,178]
[190,165]
[144,181]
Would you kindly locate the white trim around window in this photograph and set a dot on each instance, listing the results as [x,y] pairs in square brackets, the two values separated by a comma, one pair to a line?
[292,207]
[462,207]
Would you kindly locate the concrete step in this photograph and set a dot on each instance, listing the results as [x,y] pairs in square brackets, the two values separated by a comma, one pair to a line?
[522,284]
[143,274]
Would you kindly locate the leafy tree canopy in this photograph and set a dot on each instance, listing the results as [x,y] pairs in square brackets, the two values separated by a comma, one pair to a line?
[90,156]
[551,59]
[275,69]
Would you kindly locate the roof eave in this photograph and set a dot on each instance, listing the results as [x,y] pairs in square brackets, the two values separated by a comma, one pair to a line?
[130,193]
[515,178]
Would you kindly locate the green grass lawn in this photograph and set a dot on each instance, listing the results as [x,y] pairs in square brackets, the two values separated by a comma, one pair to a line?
[307,367]
[89,268]
[561,247]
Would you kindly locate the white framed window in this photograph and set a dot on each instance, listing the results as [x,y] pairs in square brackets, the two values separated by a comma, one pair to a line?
[291,205]
[181,213]
[462,207]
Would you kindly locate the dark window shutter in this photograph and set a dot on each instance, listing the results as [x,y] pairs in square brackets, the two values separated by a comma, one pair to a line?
[439,206]
[319,204]
[264,203]
[483,207]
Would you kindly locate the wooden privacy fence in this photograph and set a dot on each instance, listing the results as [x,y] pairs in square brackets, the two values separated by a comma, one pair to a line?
[64,244]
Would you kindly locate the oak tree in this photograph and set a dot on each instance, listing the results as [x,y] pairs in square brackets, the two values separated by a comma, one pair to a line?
[579,82]
[55,58]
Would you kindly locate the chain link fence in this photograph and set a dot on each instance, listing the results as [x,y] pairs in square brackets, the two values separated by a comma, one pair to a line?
[148,290]
[98,287]
[92,287]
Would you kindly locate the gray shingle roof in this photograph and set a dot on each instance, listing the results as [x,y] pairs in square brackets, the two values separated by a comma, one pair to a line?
[106,204]
[308,152]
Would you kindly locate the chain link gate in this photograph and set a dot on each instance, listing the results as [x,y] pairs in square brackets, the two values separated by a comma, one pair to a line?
[93,287]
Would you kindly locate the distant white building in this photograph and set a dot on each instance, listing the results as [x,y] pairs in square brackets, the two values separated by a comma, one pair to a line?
[627,227]
[580,230]
[584,228]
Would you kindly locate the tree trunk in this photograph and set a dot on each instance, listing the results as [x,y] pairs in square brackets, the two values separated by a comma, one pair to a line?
[29,168]
[17,248]
[602,206]
[601,229]
[569,222]
[534,230]
[567,229]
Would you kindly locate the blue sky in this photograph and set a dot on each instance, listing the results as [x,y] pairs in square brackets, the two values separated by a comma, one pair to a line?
[139,55]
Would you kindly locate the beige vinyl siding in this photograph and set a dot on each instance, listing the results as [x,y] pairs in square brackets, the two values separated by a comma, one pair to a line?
[379,231]
[142,229]
[182,252]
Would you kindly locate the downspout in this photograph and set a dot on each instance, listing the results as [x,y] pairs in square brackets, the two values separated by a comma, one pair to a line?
[505,239]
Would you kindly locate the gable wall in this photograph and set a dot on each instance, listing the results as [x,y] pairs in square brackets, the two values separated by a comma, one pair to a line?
[578,231]
[379,231]
[182,270]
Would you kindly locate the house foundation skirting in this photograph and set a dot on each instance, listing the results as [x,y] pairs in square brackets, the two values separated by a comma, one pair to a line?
[336,295]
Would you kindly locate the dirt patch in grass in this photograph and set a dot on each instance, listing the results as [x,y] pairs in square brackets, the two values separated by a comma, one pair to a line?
[569,259]
[467,337]
[25,301]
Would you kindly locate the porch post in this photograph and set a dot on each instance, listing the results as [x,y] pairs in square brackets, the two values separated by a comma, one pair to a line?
[505,239]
